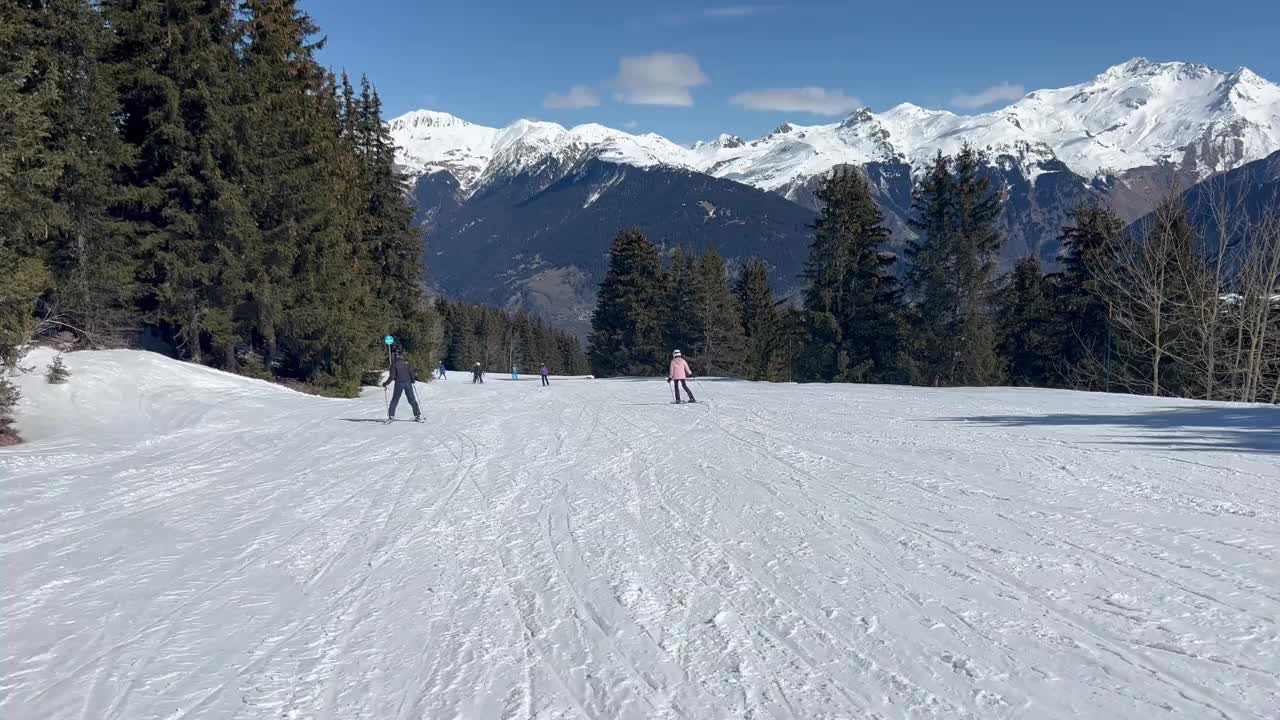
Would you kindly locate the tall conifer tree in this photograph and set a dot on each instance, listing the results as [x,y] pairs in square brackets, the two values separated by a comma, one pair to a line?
[1088,246]
[721,345]
[681,324]
[952,274]
[851,298]
[761,323]
[1028,342]
[175,67]
[625,334]
[90,254]
[311,300]
[27,176]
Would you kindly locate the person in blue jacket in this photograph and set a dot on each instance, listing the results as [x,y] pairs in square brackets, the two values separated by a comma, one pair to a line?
[440,370]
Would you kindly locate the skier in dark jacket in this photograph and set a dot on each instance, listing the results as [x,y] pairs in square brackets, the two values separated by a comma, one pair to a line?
[544,373]
[404,377]
[477,374]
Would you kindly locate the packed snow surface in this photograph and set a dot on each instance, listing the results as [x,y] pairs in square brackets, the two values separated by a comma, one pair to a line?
[180,543]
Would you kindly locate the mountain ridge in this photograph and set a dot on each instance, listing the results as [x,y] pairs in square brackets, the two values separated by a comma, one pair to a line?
[1133,115]
[521,216]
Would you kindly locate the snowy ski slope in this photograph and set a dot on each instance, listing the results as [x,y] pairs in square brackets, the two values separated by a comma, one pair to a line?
[179,543]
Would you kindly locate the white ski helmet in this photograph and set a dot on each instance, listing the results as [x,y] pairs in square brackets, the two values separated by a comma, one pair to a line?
[675,353]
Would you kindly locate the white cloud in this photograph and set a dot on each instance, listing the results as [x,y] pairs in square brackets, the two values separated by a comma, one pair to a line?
[578,97]
[658,79]
[1004,92]
[731,11]
[631,124]
[815,100]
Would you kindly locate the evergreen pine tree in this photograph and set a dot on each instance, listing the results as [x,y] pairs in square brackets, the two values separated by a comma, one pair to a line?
[29,170]
[459,343]
[681,324]
[546,347]
[1028,344]
[952,274]
[57,372]
[794,343]
[312,301]
[27,176]
[421,334]
[388,231]
[90,254]
[1083,329]
[572,361]
[175,69]
[978,210]
[25,278]
[348,112]
[851,298]
[389,245]
[761,323]
[935,301]
[721,345]
[625,336]
[531,341]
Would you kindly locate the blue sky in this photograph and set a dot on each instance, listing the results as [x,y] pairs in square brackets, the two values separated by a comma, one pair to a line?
[693,70]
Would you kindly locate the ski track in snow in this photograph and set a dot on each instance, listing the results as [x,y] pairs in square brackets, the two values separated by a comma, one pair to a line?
[178,543]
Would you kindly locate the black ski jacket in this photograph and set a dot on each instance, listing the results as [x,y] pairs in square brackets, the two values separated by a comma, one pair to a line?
[401,372]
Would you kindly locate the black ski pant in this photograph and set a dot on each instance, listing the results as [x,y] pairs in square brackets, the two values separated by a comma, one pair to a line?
[407,389]
[545,381]
[677,384]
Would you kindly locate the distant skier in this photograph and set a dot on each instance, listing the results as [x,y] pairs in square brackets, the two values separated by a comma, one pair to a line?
[440,370]
[679,374]
[515,373]
[477,374]
[543,372]
[402,374]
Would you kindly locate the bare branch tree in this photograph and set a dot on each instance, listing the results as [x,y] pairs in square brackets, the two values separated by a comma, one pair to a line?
[1209,274]
[1256,310]
[1146,289]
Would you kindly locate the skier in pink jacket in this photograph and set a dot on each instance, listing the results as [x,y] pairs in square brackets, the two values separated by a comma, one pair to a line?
[679,374]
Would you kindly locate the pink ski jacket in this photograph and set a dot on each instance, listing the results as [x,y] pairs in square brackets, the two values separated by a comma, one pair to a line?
[679,369]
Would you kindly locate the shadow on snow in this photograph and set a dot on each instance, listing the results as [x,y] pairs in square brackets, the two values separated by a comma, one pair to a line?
[1241,429]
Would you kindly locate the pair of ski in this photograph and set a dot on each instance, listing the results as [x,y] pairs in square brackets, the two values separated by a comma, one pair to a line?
[684,402]
[388,421]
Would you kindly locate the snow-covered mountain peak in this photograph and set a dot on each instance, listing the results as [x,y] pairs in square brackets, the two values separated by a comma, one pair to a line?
[911,110]
[427,119]
[1247,90]
[1248,78]
[1141,67]
[1129,68]
[1136,114]
[1143,113]
[724,140]
[858,117]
